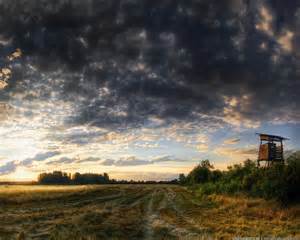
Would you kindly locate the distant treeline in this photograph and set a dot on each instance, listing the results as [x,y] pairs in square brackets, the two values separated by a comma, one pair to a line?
[58,177]
[280,181]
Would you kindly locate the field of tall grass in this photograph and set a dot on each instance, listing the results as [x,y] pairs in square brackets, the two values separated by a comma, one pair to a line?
[138,212]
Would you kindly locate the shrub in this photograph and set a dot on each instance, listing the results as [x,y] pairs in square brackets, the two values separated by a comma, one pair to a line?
[201,173]
[280,181]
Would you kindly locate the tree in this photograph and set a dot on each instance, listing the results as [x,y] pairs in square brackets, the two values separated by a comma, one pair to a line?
[201,173]
[56,177]
[182,179]
[106,177]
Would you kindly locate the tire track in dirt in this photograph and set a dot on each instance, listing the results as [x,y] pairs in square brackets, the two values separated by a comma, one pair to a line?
[154,224]
[170,218]
[181,226]
[149,217]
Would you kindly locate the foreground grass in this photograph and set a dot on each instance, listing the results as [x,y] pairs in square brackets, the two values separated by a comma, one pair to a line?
[137,212]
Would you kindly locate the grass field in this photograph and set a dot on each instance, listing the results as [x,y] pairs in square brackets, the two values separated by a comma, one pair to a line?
[137,212]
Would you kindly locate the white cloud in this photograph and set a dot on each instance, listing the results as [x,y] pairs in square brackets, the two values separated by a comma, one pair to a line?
[231,141]
[234,155]
[233,112]
[266,20]
[203,147]
[285,41]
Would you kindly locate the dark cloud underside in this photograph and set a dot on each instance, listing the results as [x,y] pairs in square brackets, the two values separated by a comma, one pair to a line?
[124,61]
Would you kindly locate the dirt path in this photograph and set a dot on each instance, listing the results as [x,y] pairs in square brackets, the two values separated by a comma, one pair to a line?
[149,218]
[164,219]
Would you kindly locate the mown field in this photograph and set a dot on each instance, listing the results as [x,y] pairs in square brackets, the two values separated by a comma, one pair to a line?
[137,212]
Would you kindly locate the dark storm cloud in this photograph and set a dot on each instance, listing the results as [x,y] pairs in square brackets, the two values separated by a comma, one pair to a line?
[11,166]
[125,162]
[89,159]
[79,137]
[61,161]
[124,61]
[8,168]
[66,160]
[39,157]
[134,161]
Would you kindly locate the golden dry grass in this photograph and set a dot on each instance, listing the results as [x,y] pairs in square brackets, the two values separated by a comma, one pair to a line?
[251,217]
[137,212]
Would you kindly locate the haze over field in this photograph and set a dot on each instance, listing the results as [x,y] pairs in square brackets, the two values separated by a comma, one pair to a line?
[145,89]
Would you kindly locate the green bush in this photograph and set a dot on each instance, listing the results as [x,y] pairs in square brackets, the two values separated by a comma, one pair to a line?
[208,188]
[201,173]
[280,181]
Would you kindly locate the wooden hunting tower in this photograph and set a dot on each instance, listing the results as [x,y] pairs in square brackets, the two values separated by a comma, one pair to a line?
[270,149]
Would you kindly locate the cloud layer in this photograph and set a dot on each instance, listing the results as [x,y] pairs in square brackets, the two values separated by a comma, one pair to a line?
[126,77]
[123,62]
[11,166]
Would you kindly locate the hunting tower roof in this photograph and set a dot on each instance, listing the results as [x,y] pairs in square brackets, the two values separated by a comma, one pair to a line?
[268,137]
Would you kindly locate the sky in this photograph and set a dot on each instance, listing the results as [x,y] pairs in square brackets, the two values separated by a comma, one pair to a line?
[144,89]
